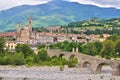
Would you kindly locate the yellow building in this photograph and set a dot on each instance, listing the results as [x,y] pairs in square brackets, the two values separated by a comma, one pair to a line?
[11,45]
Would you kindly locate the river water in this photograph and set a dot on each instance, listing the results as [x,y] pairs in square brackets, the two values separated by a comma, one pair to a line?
[54,73]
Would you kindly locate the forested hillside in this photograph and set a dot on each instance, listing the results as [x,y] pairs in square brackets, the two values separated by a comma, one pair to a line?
[56,12]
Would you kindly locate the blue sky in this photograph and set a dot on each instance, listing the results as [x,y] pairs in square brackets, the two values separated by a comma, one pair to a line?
[5,4]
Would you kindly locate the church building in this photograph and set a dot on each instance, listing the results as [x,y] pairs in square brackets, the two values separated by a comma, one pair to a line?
[24,35]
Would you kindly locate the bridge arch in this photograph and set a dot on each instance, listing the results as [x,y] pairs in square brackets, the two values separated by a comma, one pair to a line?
[86,63]
[72,56]
[54,57]
[61,55]
[99,67]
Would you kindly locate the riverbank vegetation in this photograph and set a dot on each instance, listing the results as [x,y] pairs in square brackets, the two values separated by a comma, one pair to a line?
[24,55]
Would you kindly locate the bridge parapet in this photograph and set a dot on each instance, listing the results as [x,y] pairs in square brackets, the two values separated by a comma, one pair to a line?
[96,63]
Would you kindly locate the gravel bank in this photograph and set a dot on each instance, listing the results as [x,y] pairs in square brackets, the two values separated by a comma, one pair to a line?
[54,73]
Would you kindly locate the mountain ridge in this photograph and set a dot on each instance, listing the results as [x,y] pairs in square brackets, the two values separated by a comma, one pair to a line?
[53,13]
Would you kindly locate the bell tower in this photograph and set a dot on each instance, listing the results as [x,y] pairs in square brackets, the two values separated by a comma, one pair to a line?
[18,30]
[30,23]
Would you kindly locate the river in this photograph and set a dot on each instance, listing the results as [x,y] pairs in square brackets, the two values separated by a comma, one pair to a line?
[53,73]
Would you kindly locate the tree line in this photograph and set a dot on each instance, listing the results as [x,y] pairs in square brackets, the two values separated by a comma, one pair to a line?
[112,22]
[110,48]
[24,55]
[102,31]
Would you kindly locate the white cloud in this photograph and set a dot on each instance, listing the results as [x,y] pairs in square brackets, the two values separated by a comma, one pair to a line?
[109,3]
[5,4]
[100,3]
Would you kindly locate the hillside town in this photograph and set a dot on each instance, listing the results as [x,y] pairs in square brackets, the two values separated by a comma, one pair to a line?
[34,38]
[59,40]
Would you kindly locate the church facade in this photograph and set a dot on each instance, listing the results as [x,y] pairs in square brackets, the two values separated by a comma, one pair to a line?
[21,35]
[24,35]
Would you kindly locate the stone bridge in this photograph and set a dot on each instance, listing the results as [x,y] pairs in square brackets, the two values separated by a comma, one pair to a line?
[84,60]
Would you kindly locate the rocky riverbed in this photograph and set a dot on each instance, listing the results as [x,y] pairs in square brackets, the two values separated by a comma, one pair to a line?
[54,73]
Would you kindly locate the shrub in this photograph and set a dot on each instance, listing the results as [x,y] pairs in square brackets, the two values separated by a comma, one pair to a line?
[3,60]
[29,59]
[63,60]
[61,67]
[101,77]
[25,49]
[43,56]
[36,58]
[17,59]
[41,46]
[72,62]
[55,62]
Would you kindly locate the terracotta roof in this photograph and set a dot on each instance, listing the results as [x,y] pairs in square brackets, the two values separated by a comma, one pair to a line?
[1,34]
[54,34]
[10,34]
[53,28]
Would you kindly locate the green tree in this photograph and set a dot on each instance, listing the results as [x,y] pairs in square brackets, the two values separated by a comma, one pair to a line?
[98,46]
[41,46]
[25,49]
[114,37]
[17,59]
[72,62]
[29,60]
[43,56]
[2,45]
[90,49]
[59,45]
[4,60]
[69,46]
[80,48]
[55,61]
[36,58]
[108,49]
[117,48]
[63,60]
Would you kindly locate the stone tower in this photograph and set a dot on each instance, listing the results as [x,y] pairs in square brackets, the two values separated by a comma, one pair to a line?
[30,23]
[24,34]
[18,30]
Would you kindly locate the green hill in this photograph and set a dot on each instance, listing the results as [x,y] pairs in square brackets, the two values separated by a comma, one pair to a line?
[95,22]
[56,12]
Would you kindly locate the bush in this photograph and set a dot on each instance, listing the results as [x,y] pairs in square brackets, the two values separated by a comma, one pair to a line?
[72,62]
[4,60]
[44,63]
[63,60]
[17,59]
[36,58]
[29,60]
[61,67]
[25,49]
[41,46]
[43,56]
[56,62]
[29,64]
